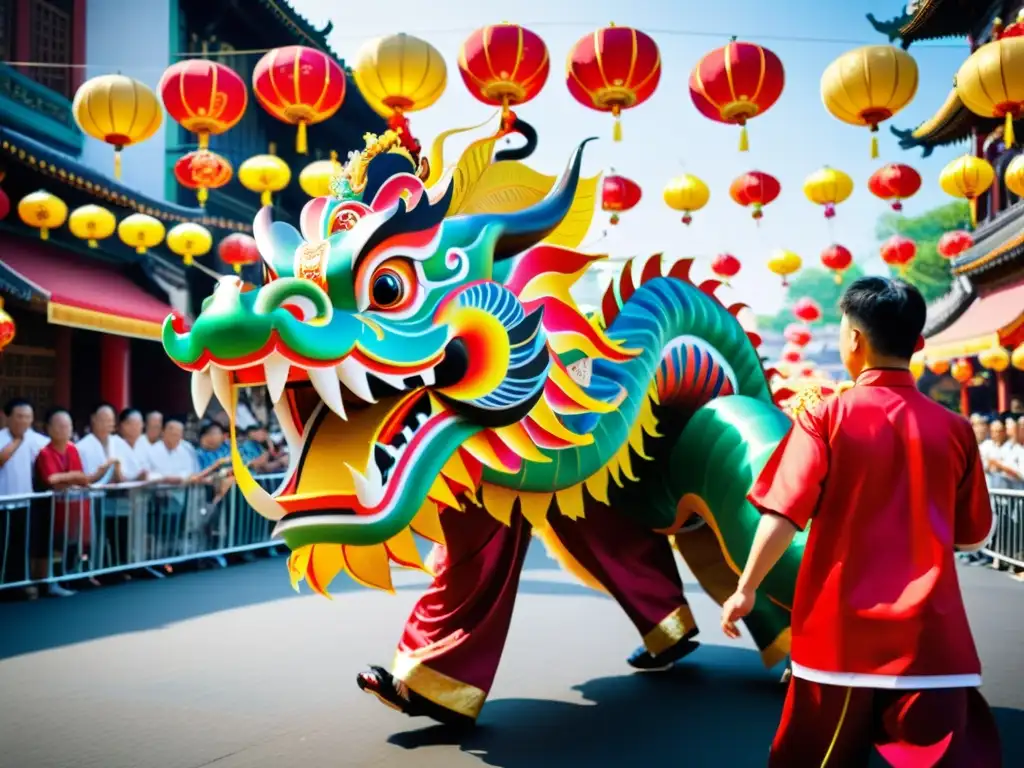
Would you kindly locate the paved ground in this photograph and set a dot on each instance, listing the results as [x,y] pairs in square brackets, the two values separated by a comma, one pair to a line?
[230,668]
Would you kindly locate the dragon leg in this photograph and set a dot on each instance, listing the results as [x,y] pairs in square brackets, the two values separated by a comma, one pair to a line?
[713,465]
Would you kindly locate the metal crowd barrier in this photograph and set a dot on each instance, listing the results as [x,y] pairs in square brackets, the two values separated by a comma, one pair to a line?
[54,537]
[1007,545]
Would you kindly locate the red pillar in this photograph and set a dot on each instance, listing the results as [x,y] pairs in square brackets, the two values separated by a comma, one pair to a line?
[965,400]
[114,370]
[62,367]
[1003,391]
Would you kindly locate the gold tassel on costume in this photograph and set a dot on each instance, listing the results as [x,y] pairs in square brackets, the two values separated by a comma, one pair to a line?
[1008,131]
[301,145]
[744,141]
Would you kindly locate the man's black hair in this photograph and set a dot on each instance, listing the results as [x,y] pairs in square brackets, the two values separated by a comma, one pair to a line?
[168,419]
[207,426]
[254,428]
[54,411]
[15,402]
[127,413]
[100,406]
[891,313]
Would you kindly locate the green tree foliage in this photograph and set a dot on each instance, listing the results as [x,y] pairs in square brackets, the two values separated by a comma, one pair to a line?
[929,271]
[818,284]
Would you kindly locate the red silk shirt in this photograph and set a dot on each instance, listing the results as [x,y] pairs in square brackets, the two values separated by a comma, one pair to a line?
[893,482]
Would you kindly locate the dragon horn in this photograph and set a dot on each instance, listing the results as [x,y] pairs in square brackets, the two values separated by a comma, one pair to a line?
[523,229]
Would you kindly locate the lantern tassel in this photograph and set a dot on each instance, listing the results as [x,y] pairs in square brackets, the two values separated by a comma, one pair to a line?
[839,278]
[617,130]
[1008,131]
[265,197]
[187,258]
[204,140]
[44,233]
[92,243]
[141,249]
[874,146]
[744,140]
[203,194]
[117,163]
[238,269]
[301,140]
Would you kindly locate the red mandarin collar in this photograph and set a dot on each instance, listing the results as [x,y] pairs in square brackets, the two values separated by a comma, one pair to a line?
[886,377]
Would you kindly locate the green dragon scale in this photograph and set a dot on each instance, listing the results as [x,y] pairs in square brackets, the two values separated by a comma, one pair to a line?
[422,350]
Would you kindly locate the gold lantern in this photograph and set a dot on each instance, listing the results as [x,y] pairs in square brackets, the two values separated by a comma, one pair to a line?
[991,82]
[917,366]
[1014,176]
[315,178]
[141,231]
[868,85]
[118,111]
[1017,358]
[967,177]
[995,359]
[42,211]
[265,174]
[92,224]
[784,263]
[399,73]
[189,240]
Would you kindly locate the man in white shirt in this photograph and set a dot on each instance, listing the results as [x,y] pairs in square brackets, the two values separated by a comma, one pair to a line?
[130,425]
[101,444]
[1012,454]
[996,455]
[19,447]
[172,459]
[154,427]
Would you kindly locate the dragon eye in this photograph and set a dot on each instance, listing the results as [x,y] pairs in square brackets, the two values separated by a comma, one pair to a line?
[392,285]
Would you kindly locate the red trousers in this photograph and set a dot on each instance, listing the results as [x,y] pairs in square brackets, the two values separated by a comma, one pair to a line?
[452,643]
[837,727]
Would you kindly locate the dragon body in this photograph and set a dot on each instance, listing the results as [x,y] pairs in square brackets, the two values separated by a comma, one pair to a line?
[421,345]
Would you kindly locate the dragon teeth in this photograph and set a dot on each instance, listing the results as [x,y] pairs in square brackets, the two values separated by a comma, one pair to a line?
[326,384]
[421,417]
[202,391]
[392,380]
[221,386]
[428,376]
[276,369]
[353,376]
[370,487]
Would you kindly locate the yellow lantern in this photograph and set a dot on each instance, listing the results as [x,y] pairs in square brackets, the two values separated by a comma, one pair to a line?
[315,178]
[1014,176]
[991,82]
[686,193]
[92,223]
[1017,358]
[265,174]
[868,85]
[42,211]
[141,232]
[995,359]
[967,177]
[784,263]
[189,240]
[828,187]
[398,74]
[117,110]
[917,366]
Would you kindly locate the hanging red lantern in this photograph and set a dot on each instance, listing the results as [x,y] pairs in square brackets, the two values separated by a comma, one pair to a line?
[895,182]
[299,85]
[755,189]
[619,194]
[837,258]
[725,266]
[952,244]
[204,97]
[736,83]
[613,69]
[792,355]
[899,251]
[238,250]
[7,327]
[202,171]
[797,334]
[504,65]
[807,309]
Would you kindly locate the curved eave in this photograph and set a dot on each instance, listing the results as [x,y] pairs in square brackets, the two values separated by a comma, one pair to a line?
[68,171]
[946,310]
[952,123]
[301,28]
[933,20]
[1010,251]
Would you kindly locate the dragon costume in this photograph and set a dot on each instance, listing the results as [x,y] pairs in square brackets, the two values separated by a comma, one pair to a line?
[433,375]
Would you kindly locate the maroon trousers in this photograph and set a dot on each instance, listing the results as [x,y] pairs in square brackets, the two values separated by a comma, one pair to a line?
[453,641]
[837,727]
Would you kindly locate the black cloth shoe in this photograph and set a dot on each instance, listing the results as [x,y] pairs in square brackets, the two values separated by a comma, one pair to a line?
[643,660]
[393,693]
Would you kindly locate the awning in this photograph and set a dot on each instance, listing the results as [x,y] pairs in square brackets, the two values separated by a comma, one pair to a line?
[988,322]
[83,293]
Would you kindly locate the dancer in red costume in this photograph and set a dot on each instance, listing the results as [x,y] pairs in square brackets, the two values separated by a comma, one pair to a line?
[882,652]
[449,652]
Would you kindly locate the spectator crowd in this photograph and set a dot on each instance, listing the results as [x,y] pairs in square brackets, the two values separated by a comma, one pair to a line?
[126,449]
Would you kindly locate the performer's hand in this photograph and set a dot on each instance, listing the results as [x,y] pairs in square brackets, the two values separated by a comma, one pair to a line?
[735,608]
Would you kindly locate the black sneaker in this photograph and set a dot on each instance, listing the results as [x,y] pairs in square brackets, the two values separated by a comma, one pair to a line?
[396,695]
[642,659]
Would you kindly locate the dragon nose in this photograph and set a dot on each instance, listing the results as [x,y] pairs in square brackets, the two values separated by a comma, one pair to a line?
[304,299]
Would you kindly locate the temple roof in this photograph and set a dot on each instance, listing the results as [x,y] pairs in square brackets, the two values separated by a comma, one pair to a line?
[951,124]
[66,170]
[945,310]
[300,26]
[996,243]
[934,19]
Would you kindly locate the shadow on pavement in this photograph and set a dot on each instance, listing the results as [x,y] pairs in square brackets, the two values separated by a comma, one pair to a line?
[721,709]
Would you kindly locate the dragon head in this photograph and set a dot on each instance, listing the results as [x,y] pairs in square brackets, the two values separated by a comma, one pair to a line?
[404,349]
